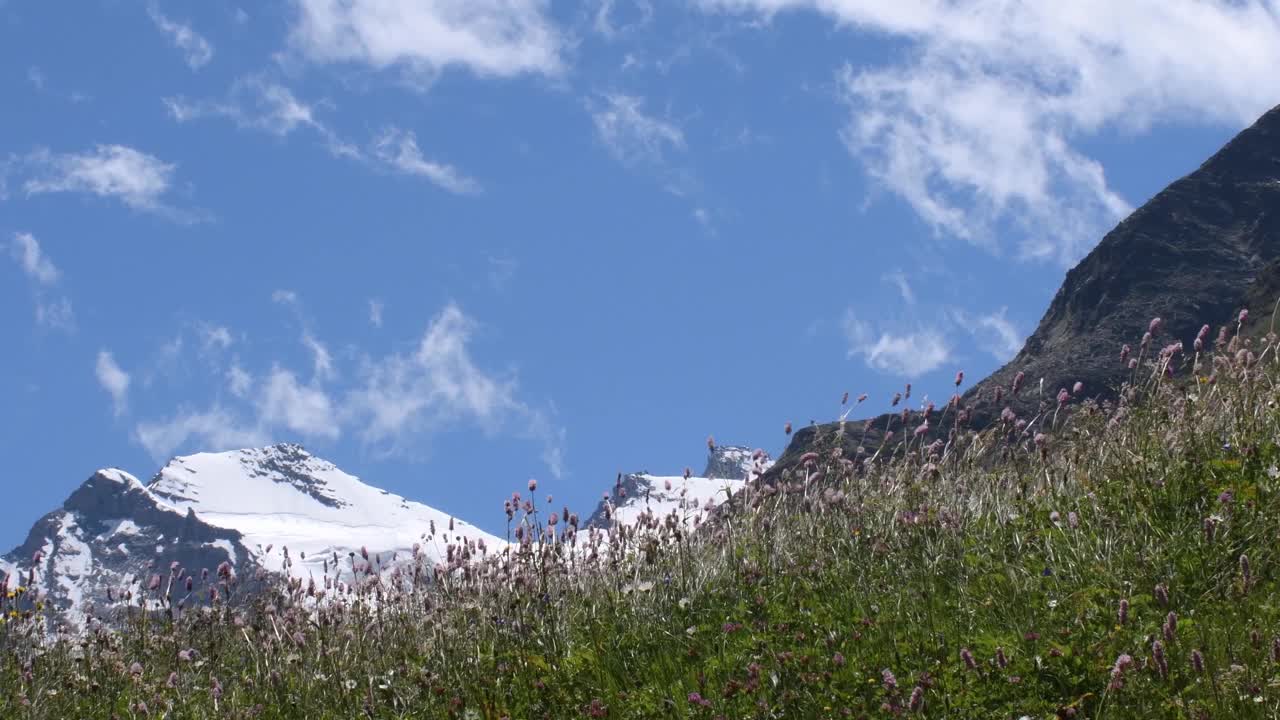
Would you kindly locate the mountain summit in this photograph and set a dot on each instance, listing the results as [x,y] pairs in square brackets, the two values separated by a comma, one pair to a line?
[1195,253]
[278,509]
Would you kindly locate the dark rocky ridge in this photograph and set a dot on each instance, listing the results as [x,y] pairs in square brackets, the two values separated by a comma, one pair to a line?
[110,534]
[1202,248]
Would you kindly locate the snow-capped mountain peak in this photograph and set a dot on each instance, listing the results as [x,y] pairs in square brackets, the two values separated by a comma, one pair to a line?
[277,508]
[282,497]
[640,496]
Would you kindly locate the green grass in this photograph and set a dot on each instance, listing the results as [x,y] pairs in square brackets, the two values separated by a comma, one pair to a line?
[845,591]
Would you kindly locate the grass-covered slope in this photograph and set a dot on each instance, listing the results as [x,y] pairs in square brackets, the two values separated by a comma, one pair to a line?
[1119,565]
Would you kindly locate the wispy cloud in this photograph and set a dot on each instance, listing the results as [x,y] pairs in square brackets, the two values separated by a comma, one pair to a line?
[632,136]
[909,352]
[995,334]
[54,312]
[488,37]
[375,313]
[392,403]
[983,126]
[135,178]
[26,251]
[398,150]
[211,430]
[113,379]
[197,51]
[899,280]
[261,104]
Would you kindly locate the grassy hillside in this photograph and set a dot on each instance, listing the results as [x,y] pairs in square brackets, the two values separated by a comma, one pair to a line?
[1121,565]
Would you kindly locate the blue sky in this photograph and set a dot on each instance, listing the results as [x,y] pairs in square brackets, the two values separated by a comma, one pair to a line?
[454,245]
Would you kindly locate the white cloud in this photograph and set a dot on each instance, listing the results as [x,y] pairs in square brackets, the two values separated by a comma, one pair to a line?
[632,136]
[239,381]
[323,361]
[197,51]
[215,337]
[55,313]
[299,408]
[391,402]
[995,334]
[26,251]
[907,352]
[398,149]
[135,178]
[375,313]
[213,430]
[488,37]
[284,297]
[253,102]
[899,280]
[113,379]
[613,18]
[983,123]
[52,312]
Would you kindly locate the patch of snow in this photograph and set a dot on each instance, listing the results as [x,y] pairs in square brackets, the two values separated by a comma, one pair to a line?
[228,547]
[689,498]
[282,496]
[121,527]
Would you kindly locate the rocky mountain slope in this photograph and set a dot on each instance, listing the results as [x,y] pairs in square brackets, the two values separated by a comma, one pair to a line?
[1196,253]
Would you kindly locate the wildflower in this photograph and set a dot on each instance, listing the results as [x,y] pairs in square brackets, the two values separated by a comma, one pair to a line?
[697,699]
[844,400]
[1122,613]
[172,681]
[1077,388]
[1123,662]
[959,378]
[135,669]
[1245,573]
[154,585]
[999,393]
[1063,397]
[1017,382]
[1162,595]
[1197,662]
[1073,520]
[890,682]
[533,485]
[1133,363]
[897,398]
[916,699]
[861,398]
[215,688]
[597,709]
[922,428]
[1157,654]
[1244,315]
[967,657]
[1055,517]
[907,396]
[1008,415]
[786,429]
[1170,627]
[1124,354]
[1001,659]
[711,443]
[1154,326]
[838,660]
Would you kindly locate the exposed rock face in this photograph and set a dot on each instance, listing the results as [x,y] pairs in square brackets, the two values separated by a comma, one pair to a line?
[111,534]
[1194,254]
[636,494]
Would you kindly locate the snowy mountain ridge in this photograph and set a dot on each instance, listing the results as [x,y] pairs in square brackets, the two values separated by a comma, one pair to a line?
[278,509]
[645,497]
